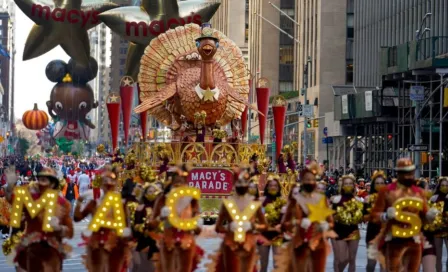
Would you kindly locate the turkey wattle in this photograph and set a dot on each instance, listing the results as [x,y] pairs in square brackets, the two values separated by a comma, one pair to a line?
[190,70]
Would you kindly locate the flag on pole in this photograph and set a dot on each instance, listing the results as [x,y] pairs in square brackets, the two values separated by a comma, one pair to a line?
[445,97]
[3,52]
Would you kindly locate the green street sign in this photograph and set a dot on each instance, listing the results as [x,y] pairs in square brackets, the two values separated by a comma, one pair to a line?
[426,128]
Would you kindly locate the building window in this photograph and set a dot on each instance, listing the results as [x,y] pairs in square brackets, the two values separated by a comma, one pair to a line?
[392,58]
[350,6]
[122,61]
[286,86]
[287,54]
[287,4]
[123,50]
[247,33]
[285,22]
[349,72]
[121,72]
[349,54]
[350,25]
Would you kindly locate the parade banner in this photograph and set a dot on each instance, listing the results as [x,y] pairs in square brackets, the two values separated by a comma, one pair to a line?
[211,181]
[263,105]
[113,109]
[126,95]
[143,116]
[279,112]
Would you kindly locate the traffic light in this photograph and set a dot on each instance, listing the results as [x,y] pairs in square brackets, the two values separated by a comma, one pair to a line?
[389,137]
[308,124]
[316,123]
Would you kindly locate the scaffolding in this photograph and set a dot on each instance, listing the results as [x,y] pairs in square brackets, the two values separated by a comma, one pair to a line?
[422,117]
[372,134]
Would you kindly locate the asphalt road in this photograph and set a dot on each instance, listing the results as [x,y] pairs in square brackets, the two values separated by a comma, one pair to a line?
[210,245]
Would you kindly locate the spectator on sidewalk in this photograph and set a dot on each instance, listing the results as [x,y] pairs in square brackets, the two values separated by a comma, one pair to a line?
[70,192]
[84,182]
[72,176]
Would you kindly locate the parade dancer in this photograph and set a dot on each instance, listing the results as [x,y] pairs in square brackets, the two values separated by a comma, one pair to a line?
[40,250]
[146,244]
[272,237]
[253,188]
[309,247]
[345,246]
[239,254]
[291,164]
[401,254]
[441,236]
[436,233]
[106,251]
[178,249]
[281,164]
[373,229]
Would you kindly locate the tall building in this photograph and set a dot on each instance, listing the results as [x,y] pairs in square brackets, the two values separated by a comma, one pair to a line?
[383,23]
[110,51]
[326,35]
[402,48]
[7,39]
[323,34]
[5,64]
[231,20]
[100,45]
[264,42]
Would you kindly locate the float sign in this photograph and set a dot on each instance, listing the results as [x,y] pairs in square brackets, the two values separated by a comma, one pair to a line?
[211,181]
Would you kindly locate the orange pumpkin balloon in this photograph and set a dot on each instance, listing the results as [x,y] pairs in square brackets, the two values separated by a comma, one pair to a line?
[35,119]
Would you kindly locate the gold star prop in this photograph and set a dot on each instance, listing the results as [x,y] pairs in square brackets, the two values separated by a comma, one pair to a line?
[244,153]
[279,101]
[194,154]
[319,211]
[225,152]
[126,81]
[208,95]
[139,25]
[63,23]
[114,98]
[263,83]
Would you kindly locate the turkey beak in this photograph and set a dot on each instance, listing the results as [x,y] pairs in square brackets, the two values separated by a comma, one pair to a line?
[207,49]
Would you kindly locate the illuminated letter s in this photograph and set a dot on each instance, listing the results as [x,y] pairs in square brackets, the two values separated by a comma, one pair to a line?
[412,220]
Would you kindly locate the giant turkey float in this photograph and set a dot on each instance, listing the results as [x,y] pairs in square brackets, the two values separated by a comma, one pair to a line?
[194,80]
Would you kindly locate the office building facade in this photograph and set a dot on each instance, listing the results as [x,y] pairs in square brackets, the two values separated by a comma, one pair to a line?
[325,32]
[384,23]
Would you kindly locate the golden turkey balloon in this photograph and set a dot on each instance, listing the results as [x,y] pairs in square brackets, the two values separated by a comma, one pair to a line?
[35,119]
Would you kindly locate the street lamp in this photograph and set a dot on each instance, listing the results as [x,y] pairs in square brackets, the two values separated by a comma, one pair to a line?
[418,104]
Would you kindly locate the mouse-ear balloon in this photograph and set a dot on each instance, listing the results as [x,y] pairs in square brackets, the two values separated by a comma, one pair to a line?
[56,70]
[82,74]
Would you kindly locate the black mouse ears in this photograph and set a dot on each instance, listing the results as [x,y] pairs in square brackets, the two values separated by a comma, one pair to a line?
[58,71]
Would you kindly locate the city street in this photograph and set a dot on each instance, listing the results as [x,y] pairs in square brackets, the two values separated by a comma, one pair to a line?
[209,245]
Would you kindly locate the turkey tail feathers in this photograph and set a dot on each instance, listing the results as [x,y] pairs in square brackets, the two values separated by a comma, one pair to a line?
[171,53]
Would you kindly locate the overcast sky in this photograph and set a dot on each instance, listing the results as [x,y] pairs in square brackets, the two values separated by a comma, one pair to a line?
[31,84]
